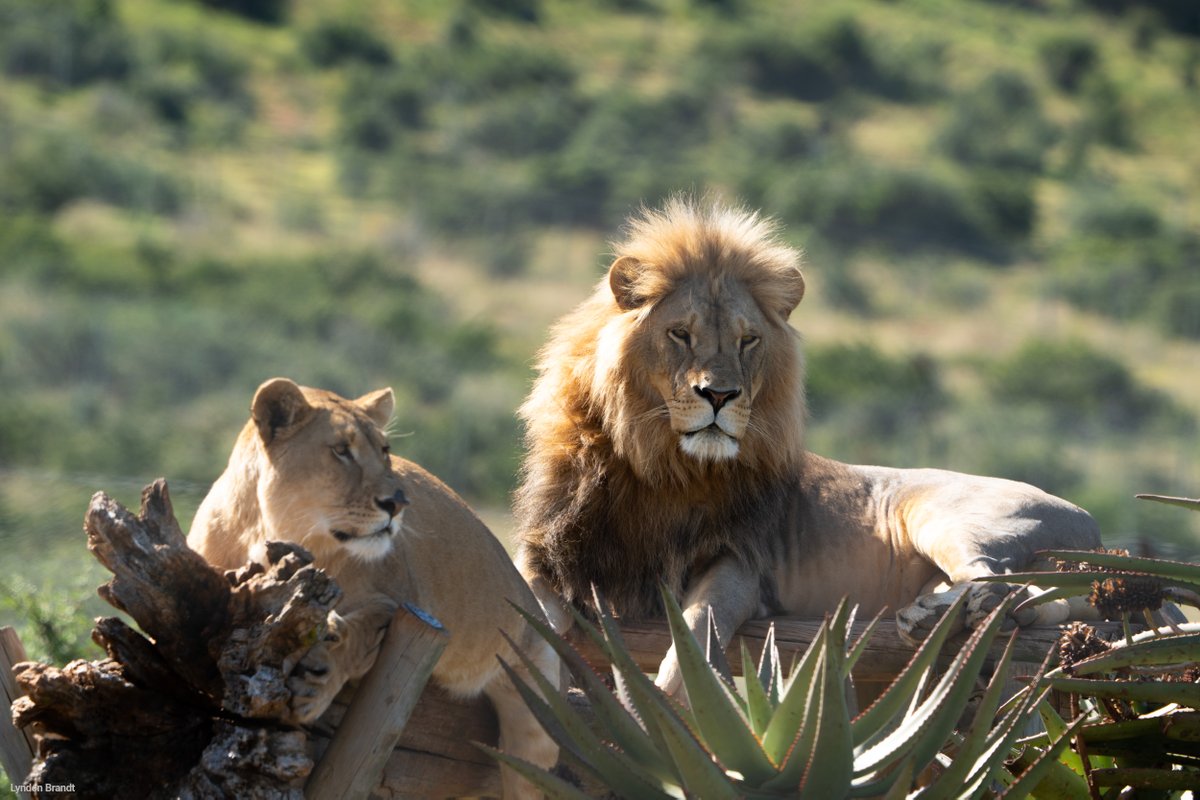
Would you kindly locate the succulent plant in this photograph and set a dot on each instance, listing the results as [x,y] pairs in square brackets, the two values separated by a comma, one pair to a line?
[781,737]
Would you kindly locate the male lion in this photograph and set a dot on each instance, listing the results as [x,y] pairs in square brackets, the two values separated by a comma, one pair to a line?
[313,468]
[665,445]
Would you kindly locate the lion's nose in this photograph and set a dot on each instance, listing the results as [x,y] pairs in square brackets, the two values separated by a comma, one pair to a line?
[393,505]
[717,397]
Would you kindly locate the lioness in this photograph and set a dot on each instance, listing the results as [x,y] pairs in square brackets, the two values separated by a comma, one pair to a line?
[314,468]
[664,438]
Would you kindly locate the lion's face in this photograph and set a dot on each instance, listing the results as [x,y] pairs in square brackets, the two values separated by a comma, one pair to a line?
[327,481]
[703,348]
[698,358]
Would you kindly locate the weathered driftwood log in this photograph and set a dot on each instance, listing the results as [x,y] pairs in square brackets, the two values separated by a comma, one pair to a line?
[188,708]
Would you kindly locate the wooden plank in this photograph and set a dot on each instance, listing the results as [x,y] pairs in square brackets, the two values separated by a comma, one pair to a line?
[16,746]
[885,654]
[354,761]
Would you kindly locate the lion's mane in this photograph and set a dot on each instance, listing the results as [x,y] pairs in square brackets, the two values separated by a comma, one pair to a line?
[607,495]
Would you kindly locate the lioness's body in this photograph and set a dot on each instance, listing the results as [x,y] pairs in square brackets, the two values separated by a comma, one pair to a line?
[665,445]
[313,468]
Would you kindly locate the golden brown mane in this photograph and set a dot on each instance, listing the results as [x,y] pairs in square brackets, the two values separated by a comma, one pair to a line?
[600,453]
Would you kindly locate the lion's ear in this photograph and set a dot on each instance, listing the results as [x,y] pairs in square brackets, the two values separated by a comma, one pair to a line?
[623,278]
[792,285]
[378,406]
[278,405]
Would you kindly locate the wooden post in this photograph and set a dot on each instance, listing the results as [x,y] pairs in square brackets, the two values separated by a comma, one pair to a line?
[16,747]
[354,762]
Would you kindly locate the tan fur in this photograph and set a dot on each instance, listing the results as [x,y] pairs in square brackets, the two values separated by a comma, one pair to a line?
[619,492]
[310,463]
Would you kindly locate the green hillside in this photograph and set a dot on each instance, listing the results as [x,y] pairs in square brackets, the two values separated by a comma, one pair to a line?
[998,202]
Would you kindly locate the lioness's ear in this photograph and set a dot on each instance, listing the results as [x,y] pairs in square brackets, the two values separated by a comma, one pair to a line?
[378,406]
[277,406]
[623,278]
[792,284]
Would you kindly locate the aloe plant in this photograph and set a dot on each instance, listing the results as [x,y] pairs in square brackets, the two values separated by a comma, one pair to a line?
[780,737]
[1136,701]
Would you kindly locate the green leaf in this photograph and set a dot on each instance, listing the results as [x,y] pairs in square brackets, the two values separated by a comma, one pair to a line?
[611,716]
[1160,651]
[770,670]
[554,787]
[1186,694]
[758,704]
[723,727]
[874,720]
[1185,502]
[788,719]
[1157,567]
[831,765]
[922,733]
[860,646]
[1056,727]
[567,728]
[1029,780]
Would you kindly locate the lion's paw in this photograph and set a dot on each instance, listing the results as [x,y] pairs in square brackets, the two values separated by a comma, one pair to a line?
[314,682]
[916,621]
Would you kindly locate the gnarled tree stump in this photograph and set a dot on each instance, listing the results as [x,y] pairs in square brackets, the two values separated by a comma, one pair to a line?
[187,707]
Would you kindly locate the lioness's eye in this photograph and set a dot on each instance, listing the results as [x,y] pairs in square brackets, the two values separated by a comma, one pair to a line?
[342,451]
[680,335]
[749,341]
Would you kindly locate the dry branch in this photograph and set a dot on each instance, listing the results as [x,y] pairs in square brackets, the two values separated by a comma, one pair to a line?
[188,707]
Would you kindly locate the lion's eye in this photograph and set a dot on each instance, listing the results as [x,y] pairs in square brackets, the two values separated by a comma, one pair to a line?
[342,451]
[680,335]
[748,341]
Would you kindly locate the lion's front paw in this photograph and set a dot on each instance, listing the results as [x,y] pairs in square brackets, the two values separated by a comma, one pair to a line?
[916,621]
[314,683]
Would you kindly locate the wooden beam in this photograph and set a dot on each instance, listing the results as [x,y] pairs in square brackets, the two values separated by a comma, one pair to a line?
[885,654]
[16,746]
[355,759]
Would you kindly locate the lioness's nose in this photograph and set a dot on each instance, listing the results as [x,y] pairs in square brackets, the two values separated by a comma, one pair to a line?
[393,505]
[717,397]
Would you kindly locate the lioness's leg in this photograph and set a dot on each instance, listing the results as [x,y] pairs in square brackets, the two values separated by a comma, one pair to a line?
[731,591]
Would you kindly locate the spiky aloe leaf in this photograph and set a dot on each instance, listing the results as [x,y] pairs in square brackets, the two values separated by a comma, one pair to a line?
[860,645]
[1029,780]
[758,703]
[714,654]
[1160,651]
[611,716]
[1056,727]
[664,720]
[1186,694]
[723,728]
[989,764]
[922,734]
[874,720]
[554,787]
[952,782]
[831,766]
[1185,502]
[569,730]
[770,670]
[799,756]
[1151,566]
[788,720]
[1049,595]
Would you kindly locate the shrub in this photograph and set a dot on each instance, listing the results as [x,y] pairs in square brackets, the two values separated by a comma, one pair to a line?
[1068,59]
[46,170]
[1000,124]
[63,42]
[871,393]
[1107,119]
[379,105]
[852,204]
[522,10]
[333,42]
[179,73]
[529,121]
[268,11]
[1080,386]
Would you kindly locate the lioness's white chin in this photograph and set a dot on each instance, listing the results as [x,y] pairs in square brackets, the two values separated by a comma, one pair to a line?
[709,444]
[371,547]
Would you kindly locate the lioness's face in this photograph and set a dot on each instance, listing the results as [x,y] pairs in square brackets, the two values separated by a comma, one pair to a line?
[708,342]
[330,483]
